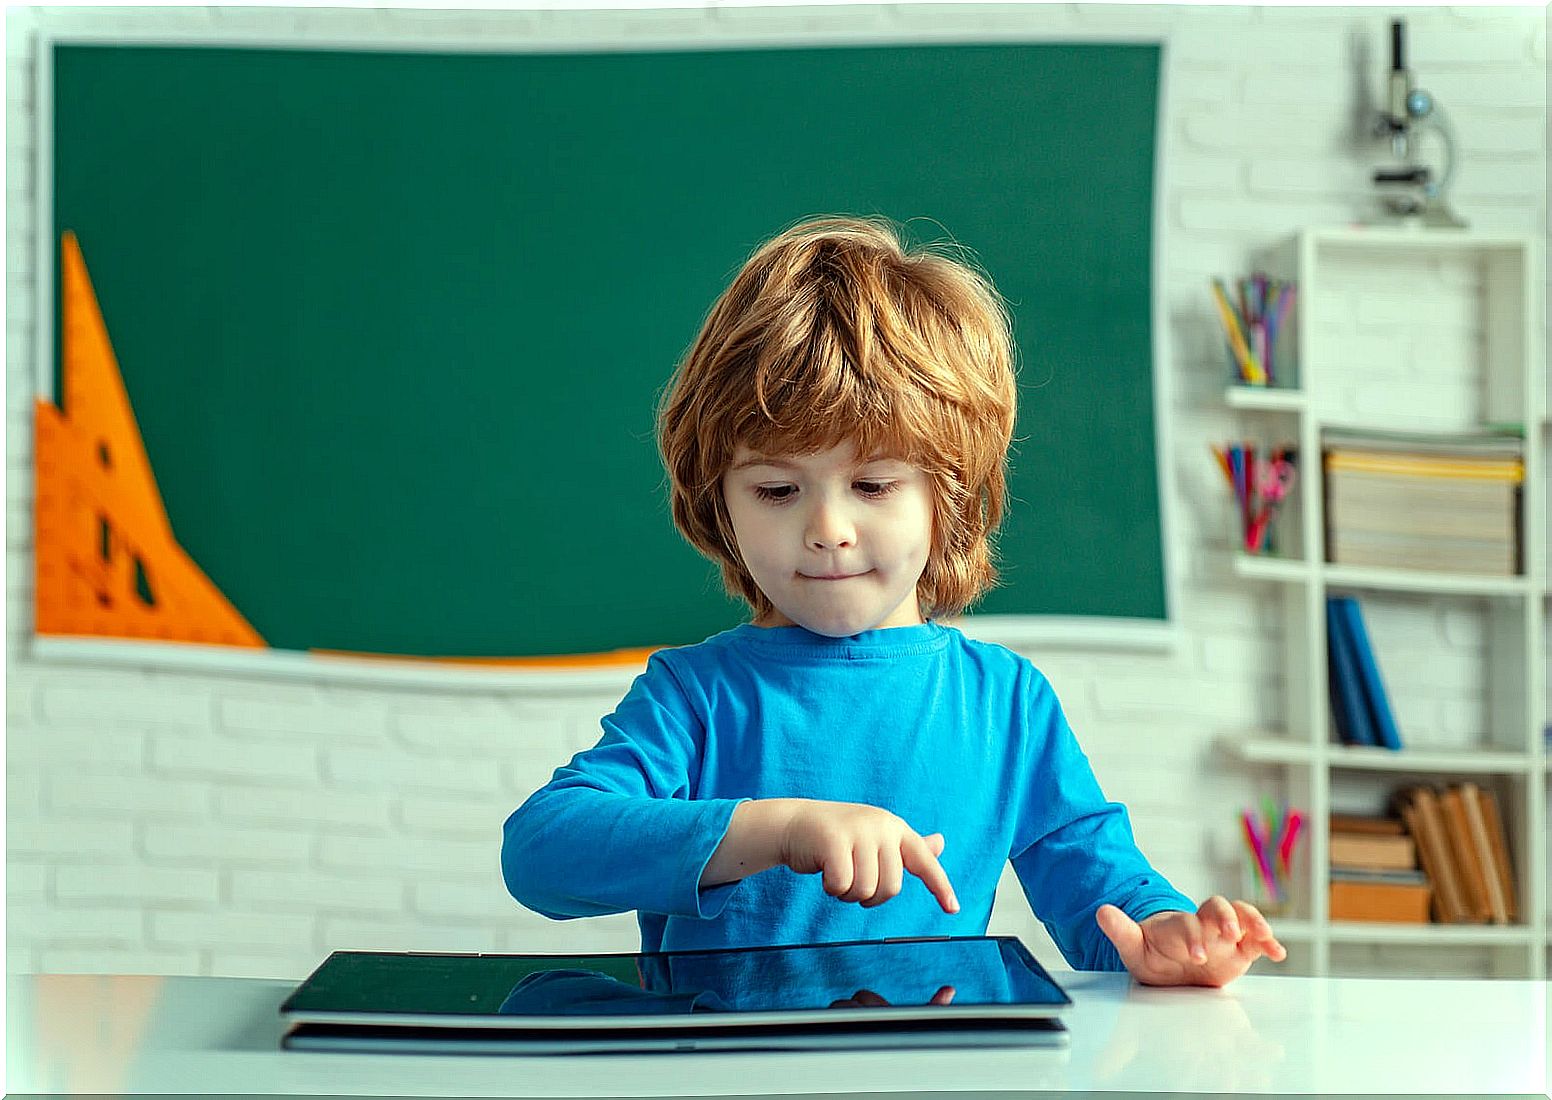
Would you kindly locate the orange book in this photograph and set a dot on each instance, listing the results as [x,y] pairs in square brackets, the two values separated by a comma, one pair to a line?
[1420,812]
[1493,823]
[1473,875]
[1396,902]
[1471,798]
[1359,823]
[1496,837]
[1373,851]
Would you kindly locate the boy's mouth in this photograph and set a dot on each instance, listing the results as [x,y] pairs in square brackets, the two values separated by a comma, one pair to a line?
[834,576]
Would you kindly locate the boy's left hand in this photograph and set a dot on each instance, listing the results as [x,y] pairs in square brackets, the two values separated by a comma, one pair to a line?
[1212,946]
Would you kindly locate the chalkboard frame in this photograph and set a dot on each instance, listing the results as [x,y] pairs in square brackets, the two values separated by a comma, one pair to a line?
[1027,633]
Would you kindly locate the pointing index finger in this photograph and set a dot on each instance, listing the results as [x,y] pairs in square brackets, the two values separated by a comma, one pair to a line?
[920,861]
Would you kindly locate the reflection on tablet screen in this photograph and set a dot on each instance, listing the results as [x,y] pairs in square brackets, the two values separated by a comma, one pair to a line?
[964,972]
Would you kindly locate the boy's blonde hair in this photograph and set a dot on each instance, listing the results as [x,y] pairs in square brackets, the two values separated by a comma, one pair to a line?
[833,331]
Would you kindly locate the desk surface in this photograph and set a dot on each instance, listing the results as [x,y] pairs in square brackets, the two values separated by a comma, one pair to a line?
[108,1034]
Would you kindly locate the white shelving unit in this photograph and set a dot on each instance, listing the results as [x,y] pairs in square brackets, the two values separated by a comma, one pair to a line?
[1352,281]
[1546,599]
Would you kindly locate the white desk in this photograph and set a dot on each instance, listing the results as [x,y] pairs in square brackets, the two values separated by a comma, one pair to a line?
[107,1034]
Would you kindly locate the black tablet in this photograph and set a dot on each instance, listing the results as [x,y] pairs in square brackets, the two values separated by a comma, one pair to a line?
[964,990]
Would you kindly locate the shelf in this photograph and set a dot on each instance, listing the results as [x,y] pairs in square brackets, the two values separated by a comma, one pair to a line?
[1417,580]
[1271,750]
[1291,930]
[1489,935]
[1484,761]
[1461,934]
[1266,399]
[1372,237]
[1263,567]
[1293,571]
[1282,750]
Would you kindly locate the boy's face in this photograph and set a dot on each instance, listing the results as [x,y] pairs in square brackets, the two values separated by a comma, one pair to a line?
[837,544]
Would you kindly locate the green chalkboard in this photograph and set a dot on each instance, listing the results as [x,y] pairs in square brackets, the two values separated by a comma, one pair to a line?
[393,324]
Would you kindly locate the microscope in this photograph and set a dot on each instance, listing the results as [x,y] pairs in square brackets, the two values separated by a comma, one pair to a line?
[1410,194]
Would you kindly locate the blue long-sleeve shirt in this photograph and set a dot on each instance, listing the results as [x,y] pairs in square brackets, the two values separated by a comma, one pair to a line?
[955,736]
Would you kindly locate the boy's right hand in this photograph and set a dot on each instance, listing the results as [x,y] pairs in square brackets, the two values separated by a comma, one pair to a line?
[863,851]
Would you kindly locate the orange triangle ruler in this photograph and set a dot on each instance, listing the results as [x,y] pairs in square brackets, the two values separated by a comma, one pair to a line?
[107,562]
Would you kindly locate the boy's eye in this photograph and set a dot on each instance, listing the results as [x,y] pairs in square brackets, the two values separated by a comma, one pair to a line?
[872,489]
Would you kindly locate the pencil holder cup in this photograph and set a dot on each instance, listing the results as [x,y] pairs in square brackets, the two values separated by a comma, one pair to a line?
[1279,896]
[1261,481]
[1255,318]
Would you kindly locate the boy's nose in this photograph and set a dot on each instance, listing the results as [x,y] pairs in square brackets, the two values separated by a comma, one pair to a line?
[829,528]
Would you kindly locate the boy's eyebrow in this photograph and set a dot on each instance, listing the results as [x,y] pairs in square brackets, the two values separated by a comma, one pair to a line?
[770,460]
[763,460]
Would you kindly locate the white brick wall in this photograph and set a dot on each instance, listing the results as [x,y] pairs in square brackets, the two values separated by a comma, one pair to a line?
[172,822]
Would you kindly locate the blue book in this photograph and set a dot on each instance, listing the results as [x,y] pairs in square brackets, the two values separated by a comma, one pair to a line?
[1347,705]
[1377,701]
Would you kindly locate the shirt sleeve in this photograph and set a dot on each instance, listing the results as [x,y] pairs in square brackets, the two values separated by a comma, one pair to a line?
[617,829]
[1078,850]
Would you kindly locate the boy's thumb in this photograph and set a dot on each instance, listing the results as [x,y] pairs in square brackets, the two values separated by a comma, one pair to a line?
[1121,930]
[935,842]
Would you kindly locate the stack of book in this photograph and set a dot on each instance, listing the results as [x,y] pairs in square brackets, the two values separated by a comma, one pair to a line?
[1461,844]
[1441,502]
[1359,703]
[1374,875]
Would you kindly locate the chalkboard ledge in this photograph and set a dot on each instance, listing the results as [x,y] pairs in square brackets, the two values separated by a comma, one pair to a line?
[284,664]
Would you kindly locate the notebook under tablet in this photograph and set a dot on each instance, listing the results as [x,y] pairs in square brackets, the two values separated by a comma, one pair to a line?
[939,991]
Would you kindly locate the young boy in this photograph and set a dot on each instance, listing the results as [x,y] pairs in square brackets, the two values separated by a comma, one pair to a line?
[836,441]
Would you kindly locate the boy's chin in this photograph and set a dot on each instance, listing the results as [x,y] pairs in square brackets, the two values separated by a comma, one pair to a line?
[838,625]
[833,631]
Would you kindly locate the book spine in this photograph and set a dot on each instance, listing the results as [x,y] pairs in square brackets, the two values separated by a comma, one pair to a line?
[1383,720]
[1495,835]
[1470,796]
[1474,885]
[1425,856]
[1428,826]
[1346,695]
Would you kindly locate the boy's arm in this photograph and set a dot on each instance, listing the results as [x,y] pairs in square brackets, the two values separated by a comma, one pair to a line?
[752,843]
[1079,851]
[616,829]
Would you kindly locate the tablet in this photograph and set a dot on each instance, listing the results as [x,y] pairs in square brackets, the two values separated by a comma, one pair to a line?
[965,990]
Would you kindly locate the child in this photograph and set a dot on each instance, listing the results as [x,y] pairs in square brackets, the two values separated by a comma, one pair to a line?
[836,442]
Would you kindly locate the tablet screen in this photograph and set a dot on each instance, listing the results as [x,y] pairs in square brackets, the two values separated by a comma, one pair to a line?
[981,972]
